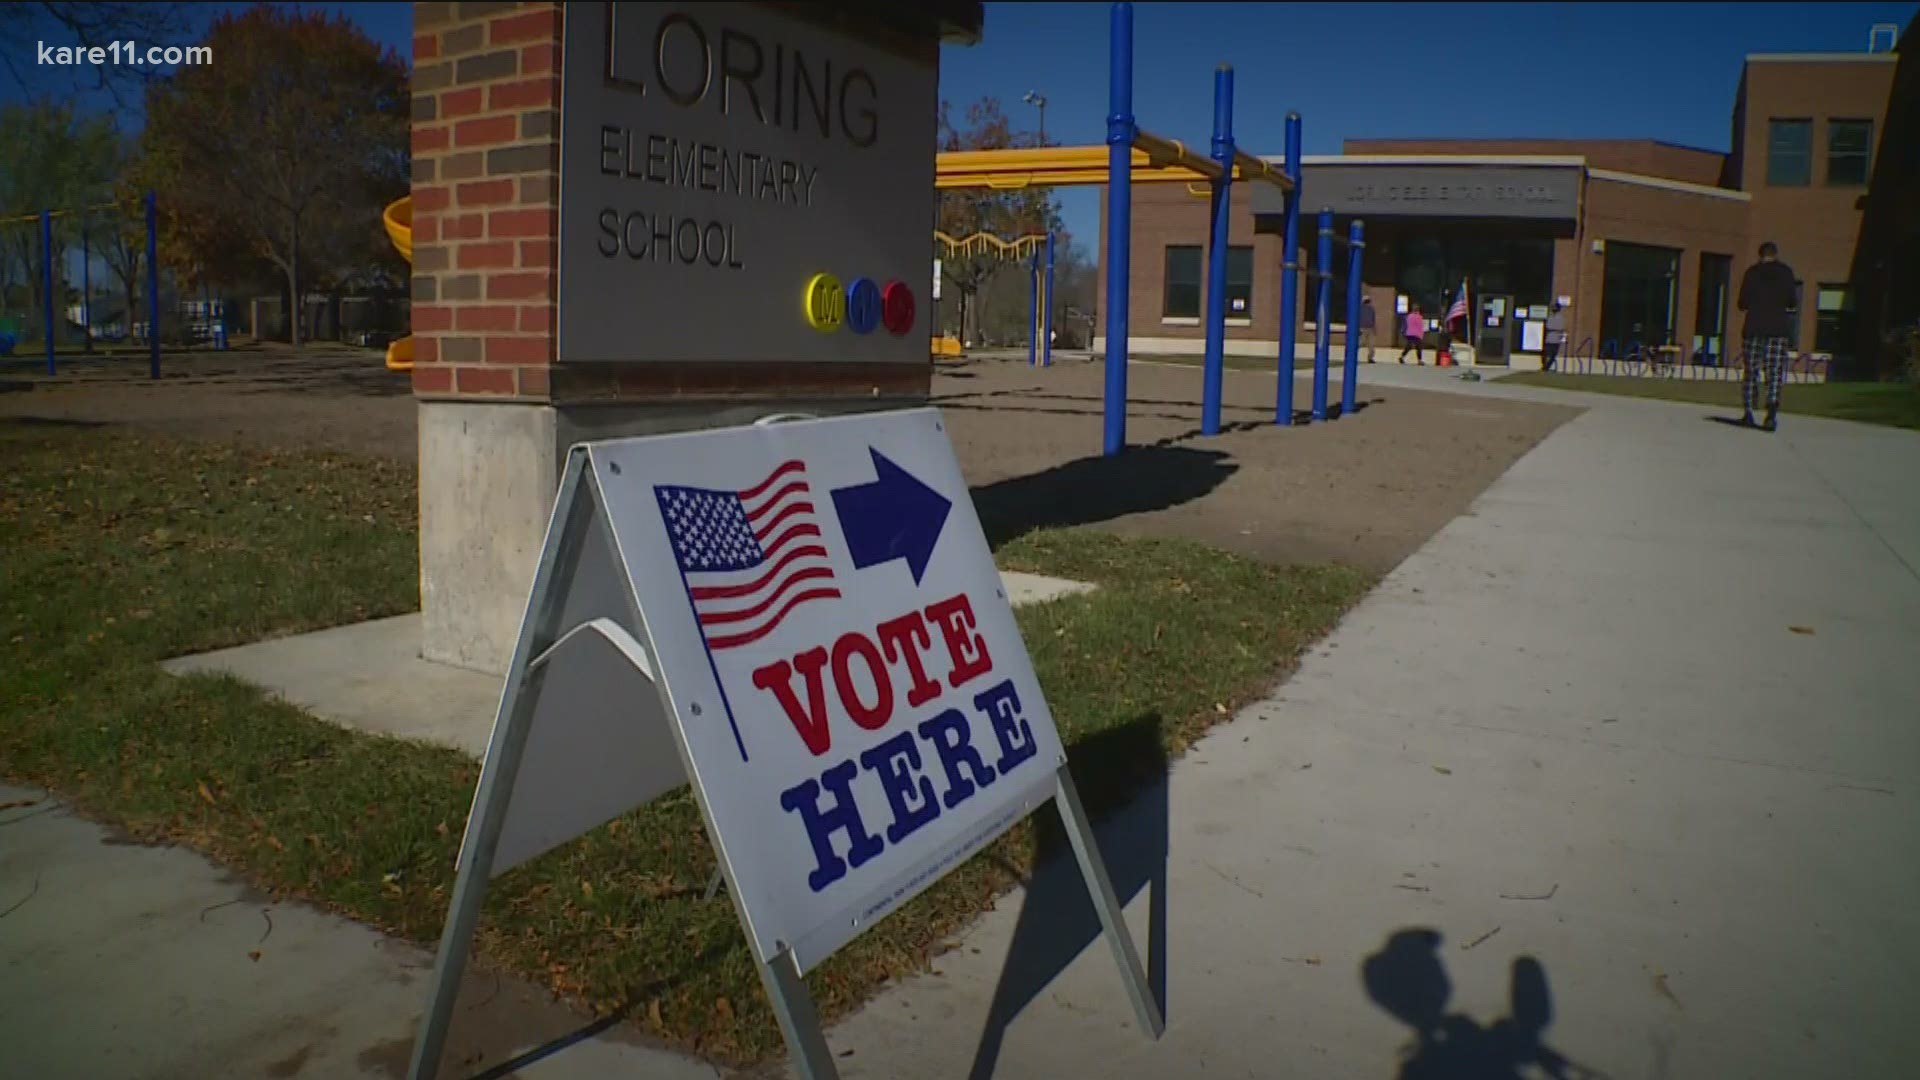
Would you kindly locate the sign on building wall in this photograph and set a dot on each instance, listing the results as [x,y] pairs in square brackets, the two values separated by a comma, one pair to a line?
[1445,191]
[741,185]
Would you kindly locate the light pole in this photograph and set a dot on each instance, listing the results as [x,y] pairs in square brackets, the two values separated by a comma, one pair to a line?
[1033,98]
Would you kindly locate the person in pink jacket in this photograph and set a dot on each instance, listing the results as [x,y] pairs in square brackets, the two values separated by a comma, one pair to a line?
[1415,328]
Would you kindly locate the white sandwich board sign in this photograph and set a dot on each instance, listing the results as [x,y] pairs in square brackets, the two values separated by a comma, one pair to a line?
[803,621]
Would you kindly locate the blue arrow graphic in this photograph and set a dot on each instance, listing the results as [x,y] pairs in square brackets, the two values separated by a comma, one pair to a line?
[894,517]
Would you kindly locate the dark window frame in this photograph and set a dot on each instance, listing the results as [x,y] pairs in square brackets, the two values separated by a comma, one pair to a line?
[1239,259]
[1864,154]
[1776,177]
[1167,282]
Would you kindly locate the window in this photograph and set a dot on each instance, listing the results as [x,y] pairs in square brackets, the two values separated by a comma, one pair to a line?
[1849,152]
[1182,299]
[1186,282]
[1239,283]
[1789,153]
[1710,310]
[1833,320]
[1637,297]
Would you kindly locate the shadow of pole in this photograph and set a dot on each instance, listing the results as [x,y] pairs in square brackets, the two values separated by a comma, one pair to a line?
[1057,918]
[1096,489]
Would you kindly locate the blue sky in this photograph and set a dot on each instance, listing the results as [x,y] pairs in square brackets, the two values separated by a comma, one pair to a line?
[1662,71]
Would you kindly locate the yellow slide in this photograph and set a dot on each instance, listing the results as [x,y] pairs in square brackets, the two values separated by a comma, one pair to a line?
[398,219]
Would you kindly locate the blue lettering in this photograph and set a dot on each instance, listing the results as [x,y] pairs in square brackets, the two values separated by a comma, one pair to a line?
[952,738]
[1002,707]
[898,781]
[844,814]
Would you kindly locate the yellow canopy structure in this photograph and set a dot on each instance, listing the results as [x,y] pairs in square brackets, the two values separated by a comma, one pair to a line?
[1155,161]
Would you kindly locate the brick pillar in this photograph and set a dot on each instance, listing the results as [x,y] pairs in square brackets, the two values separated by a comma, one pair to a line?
[498,408]
[486,94]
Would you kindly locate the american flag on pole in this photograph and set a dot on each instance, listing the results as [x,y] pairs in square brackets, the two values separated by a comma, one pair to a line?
[1459,310]
[748,557]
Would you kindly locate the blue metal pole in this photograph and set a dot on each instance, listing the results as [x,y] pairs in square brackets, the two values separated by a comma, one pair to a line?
[1323,258]
[1217,251]
[1289,276]
[1033,304]
[1350,377]
[46,282]
[153,289]
[1120,131]
[86,289]
[1046,317]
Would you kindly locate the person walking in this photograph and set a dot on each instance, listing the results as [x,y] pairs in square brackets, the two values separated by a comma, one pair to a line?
[1366,326]
[1769,297]
[1415,329]
[1556,335]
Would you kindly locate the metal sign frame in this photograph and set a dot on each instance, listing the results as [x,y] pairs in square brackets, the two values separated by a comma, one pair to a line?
[579,517]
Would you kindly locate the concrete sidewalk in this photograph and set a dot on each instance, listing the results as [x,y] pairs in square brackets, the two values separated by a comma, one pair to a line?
[1578,725]
[1647,715]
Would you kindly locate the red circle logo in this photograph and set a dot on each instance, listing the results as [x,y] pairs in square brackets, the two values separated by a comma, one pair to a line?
[896,308]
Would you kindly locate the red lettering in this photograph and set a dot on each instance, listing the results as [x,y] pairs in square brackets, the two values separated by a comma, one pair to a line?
[966,649]
[810,722]
[875,716]
[903,639]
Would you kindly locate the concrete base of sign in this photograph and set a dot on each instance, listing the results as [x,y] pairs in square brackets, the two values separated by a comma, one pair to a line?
[488,472]
[372,677]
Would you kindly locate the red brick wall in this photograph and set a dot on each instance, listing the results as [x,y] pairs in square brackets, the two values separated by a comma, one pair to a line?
[1817,225]
[486,92]
[1638,214]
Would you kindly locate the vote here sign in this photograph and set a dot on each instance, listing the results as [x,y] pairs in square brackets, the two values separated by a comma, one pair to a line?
[859,711]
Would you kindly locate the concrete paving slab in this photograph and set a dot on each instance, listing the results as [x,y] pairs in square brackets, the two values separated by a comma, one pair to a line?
[121,960]
[1578,726]
[370,676]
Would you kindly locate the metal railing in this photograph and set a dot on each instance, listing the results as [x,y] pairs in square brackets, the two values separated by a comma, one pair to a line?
[1639,361]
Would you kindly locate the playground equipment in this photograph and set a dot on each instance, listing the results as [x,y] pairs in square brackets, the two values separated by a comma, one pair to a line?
[1039,281]
[1132,154]
[51,297]
[398,219]
[1355,244]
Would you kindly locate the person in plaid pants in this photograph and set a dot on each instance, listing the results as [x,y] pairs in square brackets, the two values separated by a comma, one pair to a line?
[1770,297]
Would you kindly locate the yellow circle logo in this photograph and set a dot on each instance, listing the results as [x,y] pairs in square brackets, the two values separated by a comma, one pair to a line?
[825,303]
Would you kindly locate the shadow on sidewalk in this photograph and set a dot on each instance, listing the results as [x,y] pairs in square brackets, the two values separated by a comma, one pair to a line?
[1095,489]
[1057,919]
[1409,981]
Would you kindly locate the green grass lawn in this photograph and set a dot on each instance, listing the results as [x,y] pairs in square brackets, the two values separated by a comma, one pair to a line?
[1890,404]
[122,550]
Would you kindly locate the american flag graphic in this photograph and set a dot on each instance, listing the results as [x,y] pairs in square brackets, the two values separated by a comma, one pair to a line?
[1459,309]
[749,557]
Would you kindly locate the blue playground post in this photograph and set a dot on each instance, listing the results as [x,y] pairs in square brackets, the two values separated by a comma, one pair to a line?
[86,289]
[1217,251]
[1350,377]
[1046,317]
[1289,277]
[153,289]
[1033,304]
[1120,131]
[1323,258]
[46,282]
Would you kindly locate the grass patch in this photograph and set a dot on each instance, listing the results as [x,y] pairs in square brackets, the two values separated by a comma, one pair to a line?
[122,550]
[1887,404]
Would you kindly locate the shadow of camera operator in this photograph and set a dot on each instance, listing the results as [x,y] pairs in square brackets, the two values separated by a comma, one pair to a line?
[1408,980]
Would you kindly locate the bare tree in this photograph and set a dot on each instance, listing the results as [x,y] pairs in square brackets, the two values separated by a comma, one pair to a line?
[285,139]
